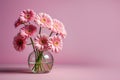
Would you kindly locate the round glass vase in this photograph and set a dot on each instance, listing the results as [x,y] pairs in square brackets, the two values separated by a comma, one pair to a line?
[40,62]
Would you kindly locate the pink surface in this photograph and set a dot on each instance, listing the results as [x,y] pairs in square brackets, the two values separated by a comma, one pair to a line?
[93,28]
[66,72]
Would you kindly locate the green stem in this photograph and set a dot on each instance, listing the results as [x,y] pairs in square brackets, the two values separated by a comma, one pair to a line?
[32,44]
[38,62]
[40,30]
[50,34]
[34,52]
[56,33]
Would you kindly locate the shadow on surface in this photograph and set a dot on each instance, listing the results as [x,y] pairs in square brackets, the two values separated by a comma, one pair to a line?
[18,70]
[15,70]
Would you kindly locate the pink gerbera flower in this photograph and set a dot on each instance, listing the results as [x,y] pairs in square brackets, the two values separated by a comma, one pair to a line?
[58,27]
[19,42]
[55,43]
[44,20]
[27,15]
[28,30]
[41,42]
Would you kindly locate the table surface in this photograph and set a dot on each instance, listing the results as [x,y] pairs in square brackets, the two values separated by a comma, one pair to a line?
[60,72]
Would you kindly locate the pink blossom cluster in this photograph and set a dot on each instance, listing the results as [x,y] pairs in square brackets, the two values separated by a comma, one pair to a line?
[42,42]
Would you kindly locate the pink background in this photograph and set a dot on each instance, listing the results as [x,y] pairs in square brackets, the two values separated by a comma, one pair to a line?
[93,28]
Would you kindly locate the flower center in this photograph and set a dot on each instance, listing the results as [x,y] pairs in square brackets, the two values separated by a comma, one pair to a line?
[20,42]
[56,43]
[43,42]
[27,16]
[43,20]
[28,31]
[55,26]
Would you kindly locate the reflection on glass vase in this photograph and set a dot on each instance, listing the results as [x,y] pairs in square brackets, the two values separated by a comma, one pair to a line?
[40,62]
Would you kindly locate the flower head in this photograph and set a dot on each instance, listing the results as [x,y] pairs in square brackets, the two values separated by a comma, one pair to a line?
[55,43]
[19,42]
[28,30]
[44,20]
[59,28]
[27,15]
[41,42]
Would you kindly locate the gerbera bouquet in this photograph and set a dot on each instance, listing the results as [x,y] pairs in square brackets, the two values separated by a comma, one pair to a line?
[50,41]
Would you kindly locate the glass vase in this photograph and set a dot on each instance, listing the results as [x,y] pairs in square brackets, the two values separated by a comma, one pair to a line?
[40,62]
